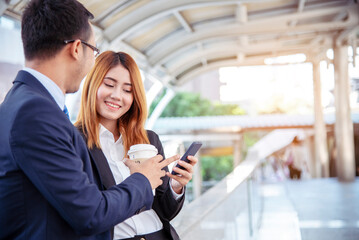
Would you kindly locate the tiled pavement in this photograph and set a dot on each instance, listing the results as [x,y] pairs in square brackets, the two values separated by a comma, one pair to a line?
[312,209]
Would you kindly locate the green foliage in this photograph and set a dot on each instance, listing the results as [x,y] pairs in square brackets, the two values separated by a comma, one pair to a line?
[186,104]
[227,109]
[216,168]
[155,102]
[250,138]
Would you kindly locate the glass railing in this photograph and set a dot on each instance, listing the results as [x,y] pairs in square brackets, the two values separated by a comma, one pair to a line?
[229,210]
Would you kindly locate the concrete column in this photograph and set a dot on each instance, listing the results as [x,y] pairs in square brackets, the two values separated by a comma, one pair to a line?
[320,133]
[344,138]
[197,178]
[237,150]
[310,153]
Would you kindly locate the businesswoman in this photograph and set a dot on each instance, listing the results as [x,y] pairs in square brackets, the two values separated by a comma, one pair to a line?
[112,116]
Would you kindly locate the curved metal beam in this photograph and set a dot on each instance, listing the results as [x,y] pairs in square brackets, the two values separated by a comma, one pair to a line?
[177,41]
[232,51]
[3,6]
[222,50]
[249,61]
[183,22]
[157,9]
[275,45]
[115,8]
[159,108]
[209,67]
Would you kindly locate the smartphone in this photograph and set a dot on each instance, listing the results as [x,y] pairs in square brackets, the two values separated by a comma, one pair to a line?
[191,151]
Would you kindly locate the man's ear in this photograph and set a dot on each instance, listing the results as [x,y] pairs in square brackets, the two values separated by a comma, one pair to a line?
[75,49]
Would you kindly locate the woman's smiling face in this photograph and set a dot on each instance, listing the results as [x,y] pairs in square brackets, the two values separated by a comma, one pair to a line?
[114,96]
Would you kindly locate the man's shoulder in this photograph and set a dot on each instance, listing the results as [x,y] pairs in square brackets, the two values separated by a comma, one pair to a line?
[36,103]
[28,108]
[21,99]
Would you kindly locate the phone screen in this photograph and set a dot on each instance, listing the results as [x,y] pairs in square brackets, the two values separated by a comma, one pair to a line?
[191,151]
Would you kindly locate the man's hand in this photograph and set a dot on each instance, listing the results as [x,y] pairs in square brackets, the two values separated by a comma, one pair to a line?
[184,176]
[151,168]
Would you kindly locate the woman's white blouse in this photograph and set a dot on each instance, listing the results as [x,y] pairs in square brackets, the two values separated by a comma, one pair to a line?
[143,223]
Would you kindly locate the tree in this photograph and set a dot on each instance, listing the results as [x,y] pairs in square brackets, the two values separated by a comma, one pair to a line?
[186,104]
[216,167]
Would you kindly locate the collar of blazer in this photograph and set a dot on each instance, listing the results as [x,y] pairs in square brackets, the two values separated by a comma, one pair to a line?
[103,167]
[99,160]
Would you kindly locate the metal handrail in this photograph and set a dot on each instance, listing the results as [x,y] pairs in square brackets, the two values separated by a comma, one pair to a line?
[194,212]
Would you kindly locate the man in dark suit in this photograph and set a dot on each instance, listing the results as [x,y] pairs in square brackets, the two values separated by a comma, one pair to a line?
[48,188]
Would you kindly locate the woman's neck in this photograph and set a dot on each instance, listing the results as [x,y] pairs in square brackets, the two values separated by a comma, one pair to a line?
[113,128]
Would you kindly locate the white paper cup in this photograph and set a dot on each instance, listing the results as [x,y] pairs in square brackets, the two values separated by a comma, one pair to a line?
[141,152]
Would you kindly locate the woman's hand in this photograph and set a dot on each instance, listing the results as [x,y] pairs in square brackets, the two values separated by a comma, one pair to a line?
[184,176]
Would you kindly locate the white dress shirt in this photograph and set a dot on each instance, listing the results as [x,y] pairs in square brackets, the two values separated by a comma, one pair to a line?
[50,86]
[143,223]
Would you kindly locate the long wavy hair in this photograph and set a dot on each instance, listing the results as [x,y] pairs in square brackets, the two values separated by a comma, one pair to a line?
[131,124]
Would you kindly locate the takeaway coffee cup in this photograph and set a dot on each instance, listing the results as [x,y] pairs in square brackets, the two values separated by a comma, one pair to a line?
[141,152]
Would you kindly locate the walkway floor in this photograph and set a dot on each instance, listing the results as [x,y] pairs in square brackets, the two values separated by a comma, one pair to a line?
[279,218]
[310,210]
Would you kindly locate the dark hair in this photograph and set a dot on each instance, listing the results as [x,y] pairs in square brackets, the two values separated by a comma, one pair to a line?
[47,23]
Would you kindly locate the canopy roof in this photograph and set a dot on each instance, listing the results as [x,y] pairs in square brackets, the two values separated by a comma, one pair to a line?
[179,40]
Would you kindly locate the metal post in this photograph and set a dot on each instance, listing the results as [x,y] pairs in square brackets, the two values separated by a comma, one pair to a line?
[236,152]
[197,178]
[250,209]
[159,109]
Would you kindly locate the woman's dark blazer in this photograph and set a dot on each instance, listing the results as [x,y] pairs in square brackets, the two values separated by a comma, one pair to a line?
[164,203]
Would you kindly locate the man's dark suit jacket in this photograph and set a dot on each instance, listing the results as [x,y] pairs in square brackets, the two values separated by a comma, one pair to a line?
[164,203]
[48,188]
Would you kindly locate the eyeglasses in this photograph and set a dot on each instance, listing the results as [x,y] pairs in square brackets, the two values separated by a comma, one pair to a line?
[96,51]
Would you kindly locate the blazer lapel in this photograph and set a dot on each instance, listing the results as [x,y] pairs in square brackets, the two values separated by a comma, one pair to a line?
[103,168]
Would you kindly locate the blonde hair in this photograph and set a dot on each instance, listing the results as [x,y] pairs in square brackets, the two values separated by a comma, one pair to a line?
[131,124]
